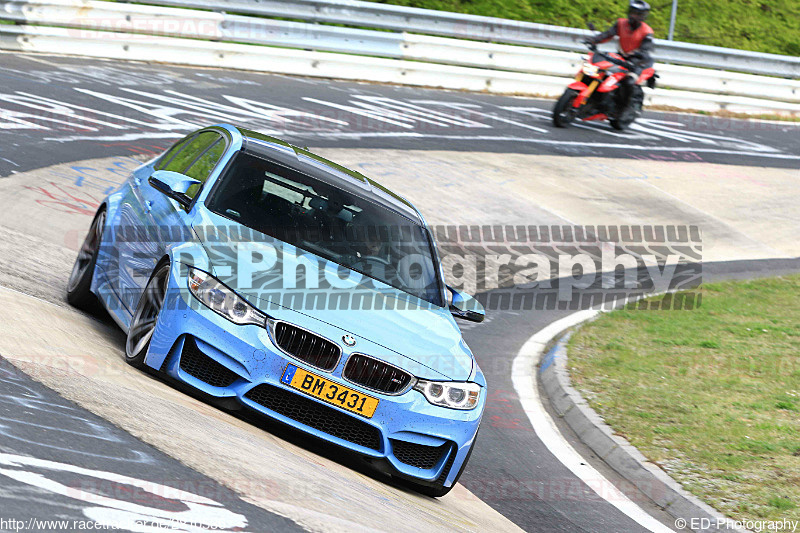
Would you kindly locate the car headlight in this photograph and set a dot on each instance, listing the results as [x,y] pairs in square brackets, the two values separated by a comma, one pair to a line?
[590,70]
[452,394]
[222,300]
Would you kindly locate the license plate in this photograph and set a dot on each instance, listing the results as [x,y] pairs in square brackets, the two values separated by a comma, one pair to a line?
[329,392]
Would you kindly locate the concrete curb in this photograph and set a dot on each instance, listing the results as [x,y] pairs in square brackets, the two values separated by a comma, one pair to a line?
[617,452]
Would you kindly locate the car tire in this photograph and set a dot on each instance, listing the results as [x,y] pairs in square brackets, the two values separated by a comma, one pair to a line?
[563,114]
[146,315]
[79,293]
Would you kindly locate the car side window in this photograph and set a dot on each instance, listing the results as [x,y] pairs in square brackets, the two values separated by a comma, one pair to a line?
[201,168]
[196,146]
[171,153]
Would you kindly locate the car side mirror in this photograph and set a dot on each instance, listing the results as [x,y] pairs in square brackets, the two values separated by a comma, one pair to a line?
[466,307]
[173,185]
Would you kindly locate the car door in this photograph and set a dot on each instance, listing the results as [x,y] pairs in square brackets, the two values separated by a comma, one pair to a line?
[156,220]
[171,219]
[131,220]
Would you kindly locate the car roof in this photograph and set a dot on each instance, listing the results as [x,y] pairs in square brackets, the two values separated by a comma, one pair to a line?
[309,163]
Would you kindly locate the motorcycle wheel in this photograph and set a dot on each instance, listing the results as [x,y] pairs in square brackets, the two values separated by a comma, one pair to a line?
[563,112]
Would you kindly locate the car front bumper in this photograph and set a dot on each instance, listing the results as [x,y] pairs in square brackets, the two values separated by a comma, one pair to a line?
[420,441]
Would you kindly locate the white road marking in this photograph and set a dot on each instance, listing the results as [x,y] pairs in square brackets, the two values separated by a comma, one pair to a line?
[545,141]
[14,120]
[658,129]
[125,137]
[175,111]
[70,107]
[276,112]
[523,376]
[416,135]
[470,108]
[597,128]
[198,514]
[545,115]
[668,122]
[56,108]
[414,112]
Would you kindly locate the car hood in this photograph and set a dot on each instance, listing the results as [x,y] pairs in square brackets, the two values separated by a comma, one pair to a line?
[397,327]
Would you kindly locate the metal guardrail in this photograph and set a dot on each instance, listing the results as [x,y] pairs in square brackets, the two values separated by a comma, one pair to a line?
[154,20]
[211,53]
[488,29]
[90,16]
[399,57]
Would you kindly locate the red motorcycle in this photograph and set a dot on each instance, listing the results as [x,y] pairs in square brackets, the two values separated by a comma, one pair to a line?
[595,94]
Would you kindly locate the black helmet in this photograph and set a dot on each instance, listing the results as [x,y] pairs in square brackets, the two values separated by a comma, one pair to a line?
[637,12]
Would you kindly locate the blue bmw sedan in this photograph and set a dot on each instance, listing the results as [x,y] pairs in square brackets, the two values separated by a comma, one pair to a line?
[277,281]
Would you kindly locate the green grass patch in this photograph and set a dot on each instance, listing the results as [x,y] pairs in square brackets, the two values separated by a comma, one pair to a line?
[783,504]
[760,25]
[712,394]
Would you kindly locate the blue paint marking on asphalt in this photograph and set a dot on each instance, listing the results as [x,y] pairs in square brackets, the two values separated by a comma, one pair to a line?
[550,357]
[289,374]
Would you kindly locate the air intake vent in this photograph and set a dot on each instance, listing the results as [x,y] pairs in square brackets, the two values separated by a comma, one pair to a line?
[450,460]
[197,364]
[306,346]
[315,415]
[418,455]
[376,375]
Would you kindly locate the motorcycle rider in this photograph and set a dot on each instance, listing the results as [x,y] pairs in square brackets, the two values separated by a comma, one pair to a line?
[635,45]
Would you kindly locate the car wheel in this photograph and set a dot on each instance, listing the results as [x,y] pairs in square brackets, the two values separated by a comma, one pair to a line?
[564,112]
[79,292]
[144,319]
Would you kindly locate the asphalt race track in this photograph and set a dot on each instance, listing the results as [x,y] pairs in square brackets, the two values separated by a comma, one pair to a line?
[56,110]
[39,423]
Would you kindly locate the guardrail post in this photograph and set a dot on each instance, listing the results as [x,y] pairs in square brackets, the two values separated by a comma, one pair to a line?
[672,20]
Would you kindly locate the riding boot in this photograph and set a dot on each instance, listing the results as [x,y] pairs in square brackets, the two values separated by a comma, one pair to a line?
[637,100]
[623,99]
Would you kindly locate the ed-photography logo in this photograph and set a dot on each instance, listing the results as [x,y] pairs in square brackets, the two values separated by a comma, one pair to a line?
[517,267]
[723,524]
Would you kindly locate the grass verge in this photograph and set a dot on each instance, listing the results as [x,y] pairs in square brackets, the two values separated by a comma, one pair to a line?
[758,25]
[712,395]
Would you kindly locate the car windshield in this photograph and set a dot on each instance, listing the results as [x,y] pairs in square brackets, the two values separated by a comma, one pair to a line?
[337,225]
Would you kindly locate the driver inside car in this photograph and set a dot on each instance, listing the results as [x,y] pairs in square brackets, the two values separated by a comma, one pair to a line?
[374,247]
